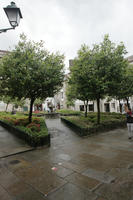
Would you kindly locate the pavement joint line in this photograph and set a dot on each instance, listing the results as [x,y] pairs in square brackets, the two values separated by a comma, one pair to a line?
[96,187]
[6,190]
[13,154]
[56,189]
[63,178]
[29,184]
[34,188]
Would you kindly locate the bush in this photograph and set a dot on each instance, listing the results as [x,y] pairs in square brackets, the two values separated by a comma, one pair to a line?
[68,112]
[89,124]
[36,128]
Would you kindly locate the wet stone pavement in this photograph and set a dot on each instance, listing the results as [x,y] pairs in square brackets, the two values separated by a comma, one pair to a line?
[9,144]
[99,167]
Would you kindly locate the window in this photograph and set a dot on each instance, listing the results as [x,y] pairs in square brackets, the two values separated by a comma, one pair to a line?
[81,107]
[106,107]
[113,105]
[62,95]
[91,107]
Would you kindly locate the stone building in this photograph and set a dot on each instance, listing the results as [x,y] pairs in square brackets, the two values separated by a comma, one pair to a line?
[3,53]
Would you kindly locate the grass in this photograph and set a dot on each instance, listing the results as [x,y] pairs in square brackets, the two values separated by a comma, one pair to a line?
[35,129]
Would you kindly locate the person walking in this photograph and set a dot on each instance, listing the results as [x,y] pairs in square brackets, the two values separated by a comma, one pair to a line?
[129,115]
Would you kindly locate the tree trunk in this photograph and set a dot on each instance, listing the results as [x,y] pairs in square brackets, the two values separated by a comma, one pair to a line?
[6,106]
[120,107]
[128,103]
[86,106]
[30,112]
[98,111]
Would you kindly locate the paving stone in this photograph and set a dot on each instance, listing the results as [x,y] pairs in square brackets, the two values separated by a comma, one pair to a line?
[101,198]
[33,156]
[43,179]
[7,178]
[31,173]
[10,144]
[120,190]
[101,176]
[75,167]
[17,188]
[48,183]
[15,163]
[82,181]
[64,157]
[63,172]
[121,172]
[104,153]
[30,194]
[71,192]
[92,161]
[4,194]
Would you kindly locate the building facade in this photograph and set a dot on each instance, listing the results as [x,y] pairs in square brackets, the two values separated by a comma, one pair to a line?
[106,105]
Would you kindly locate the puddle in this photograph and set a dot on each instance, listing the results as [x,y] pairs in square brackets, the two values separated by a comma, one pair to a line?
[14,162]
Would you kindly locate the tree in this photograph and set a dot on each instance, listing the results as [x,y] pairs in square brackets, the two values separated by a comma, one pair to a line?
[15,102]
[97,72]
[7,100]
[70,94]
[126,86]
[31,72]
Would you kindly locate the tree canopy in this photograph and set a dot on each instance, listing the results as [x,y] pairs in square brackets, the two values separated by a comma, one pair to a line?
[31,72]
[126,85]
[97,72]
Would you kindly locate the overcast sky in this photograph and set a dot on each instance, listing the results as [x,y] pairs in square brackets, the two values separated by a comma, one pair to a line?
[66,24]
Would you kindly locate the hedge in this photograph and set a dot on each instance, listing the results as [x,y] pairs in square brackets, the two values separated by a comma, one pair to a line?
[95,128]
[33,141]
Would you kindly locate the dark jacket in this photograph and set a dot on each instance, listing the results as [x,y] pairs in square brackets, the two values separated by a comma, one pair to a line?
[129,116]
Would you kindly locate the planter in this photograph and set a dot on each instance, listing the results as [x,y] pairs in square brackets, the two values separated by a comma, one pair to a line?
[96,128]
[32,141]
[61,114]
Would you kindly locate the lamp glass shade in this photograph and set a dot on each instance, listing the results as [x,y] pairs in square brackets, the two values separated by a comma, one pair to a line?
[13,17]
[14,14]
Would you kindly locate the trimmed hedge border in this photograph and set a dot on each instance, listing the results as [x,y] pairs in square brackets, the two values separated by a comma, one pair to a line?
[63,114]
[108,126]
[23,135]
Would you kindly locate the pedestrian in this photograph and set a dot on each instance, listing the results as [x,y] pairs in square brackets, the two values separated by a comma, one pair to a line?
[129,115]
[125,108]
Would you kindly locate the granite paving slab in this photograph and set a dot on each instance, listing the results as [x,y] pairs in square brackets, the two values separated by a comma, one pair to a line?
[10,144]
[98,175]
[71,192]
[4,194]
[62,171]
[42,179]
[119,190]
[83,181]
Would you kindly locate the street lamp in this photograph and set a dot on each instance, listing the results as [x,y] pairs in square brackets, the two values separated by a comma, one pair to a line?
[14,15]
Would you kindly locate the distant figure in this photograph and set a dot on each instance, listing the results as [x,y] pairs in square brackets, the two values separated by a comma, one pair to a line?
[125,108]
[129,115]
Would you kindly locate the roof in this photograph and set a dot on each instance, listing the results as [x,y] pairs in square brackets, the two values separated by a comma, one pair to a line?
[3,52]
[130,59]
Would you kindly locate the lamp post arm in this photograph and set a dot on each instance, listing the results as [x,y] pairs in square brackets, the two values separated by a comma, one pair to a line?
[6,29]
